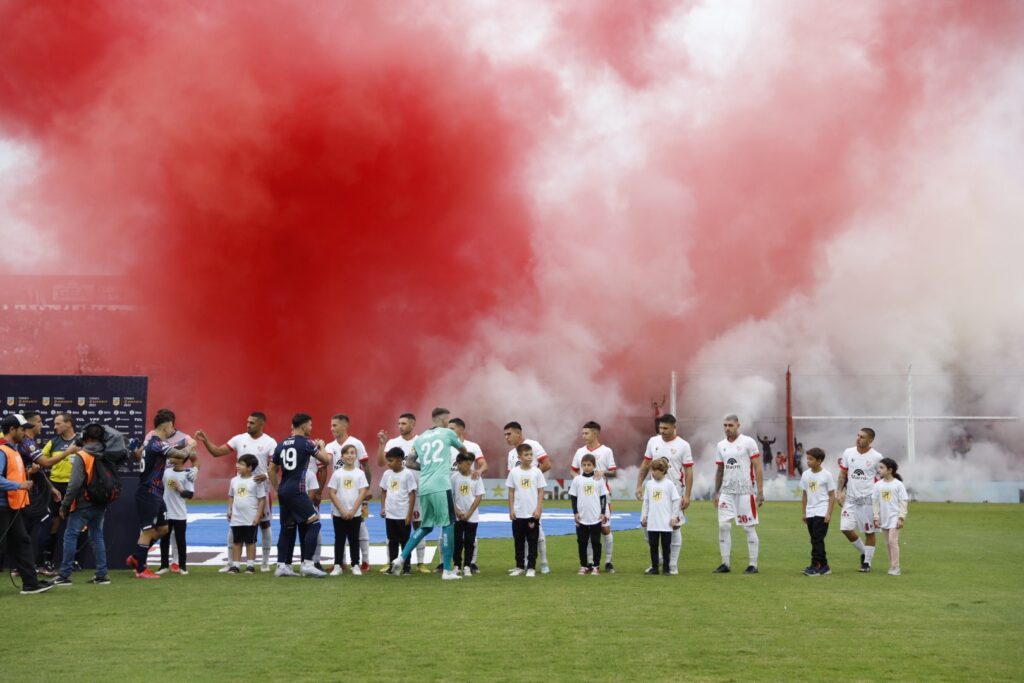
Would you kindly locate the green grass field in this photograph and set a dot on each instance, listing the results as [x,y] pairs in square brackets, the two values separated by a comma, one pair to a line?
[957,614]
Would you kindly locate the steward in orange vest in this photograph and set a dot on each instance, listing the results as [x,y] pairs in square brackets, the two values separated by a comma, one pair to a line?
[14,486]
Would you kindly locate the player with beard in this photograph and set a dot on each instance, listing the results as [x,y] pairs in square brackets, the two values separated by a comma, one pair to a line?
[253,441]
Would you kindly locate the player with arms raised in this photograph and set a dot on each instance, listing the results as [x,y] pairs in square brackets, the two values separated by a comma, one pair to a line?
[739,471]
[254,442]
[857,468]
[288,475]
[431,456]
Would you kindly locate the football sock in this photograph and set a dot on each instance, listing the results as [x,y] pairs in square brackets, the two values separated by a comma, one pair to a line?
[447,546]
[869,553]
[286,544]
[608,540]
[319,543]
[140,554]
[542,548]
[859,545]
[310,539]
[364,543]
[231,543]
[725,541]
[677,545]
[753,543]
[265,537]
[415,541]
[421,548]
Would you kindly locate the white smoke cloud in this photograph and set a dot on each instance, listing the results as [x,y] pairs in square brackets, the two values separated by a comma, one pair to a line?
[921,272]
[924,276]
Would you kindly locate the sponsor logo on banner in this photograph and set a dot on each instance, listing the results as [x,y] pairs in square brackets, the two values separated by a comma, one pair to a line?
[10,400]
[117,401]
[81,401]
[46,400]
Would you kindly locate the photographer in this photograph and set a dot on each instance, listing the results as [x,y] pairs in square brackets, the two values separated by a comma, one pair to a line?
[80,512]
[14,486]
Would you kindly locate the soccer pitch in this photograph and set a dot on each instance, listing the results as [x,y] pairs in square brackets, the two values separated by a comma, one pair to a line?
[957,613]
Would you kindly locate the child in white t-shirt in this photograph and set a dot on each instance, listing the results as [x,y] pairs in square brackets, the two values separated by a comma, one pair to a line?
[347,489]
[817,500]
[397,502]
[889,506]
[467,493]
[525,485]
[246,502]
[589,498]
[179,487]
[660,515]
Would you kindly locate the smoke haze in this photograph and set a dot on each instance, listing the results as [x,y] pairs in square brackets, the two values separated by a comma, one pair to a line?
[532,210]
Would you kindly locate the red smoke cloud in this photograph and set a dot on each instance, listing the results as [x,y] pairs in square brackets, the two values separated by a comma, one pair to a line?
[329,206]
[313,207]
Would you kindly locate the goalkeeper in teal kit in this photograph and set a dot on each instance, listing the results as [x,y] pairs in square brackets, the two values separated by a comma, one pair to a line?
[431,455]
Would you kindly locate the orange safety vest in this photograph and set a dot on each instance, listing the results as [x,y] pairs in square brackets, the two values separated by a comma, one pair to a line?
[16,473]
[88,460]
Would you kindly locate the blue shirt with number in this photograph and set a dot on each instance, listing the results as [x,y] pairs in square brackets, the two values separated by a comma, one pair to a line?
[292,456]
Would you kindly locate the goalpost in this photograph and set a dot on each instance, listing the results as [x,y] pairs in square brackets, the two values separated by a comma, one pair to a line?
[909,418]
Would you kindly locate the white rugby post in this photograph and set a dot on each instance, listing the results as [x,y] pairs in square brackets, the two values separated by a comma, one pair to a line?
[672,394]
[910,418]
[911,449]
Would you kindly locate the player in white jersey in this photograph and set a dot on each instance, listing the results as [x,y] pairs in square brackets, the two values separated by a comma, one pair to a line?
[739,491]
[514,437]
[857,469]
[254,442]
[405,439]
[479,469]
[339,430]
[667,445]
[604,469]
[458,425]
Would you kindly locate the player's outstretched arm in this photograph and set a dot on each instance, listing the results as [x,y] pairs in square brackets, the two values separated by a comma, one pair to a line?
[759,478]
[212,448]
[412,507]
[719,474]
[382,438]
[688,483]
[841,487]
[321,452]
[479,468]
[645,467]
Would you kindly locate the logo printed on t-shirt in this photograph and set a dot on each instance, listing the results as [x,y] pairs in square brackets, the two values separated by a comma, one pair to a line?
[525,482]
[463,489]
[588,489]
[393,485]
[348,483]
[812,486]
[657,496]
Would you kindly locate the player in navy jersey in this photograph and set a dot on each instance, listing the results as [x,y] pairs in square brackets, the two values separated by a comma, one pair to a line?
[288,476]
[149,497]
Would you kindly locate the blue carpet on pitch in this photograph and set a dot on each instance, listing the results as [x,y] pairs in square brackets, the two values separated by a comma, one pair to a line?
[207,523]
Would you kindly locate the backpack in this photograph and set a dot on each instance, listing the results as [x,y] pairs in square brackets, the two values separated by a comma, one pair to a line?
[105,485]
